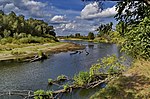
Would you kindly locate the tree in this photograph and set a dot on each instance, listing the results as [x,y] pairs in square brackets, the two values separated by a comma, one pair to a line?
[131,12]
[120,27]
[77,35]
[14,25]
[104,29]
[91,36]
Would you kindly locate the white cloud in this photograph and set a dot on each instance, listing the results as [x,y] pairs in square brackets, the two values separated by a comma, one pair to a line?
[11,7]
[66,27]
[92,11]
[34,7]
[1,7]
[58,19]
[30,8]
[33,3]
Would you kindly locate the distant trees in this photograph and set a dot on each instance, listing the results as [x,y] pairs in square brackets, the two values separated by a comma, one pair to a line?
[11,24]
[77,35]
[91,35]
[104,29]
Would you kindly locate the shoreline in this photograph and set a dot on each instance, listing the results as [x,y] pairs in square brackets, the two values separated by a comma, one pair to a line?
[29,52]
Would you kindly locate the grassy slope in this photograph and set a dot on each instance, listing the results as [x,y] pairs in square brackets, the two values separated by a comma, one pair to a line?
[14,51]
[133,84]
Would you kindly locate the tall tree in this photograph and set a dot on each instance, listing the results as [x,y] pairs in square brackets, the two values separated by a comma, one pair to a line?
[104,29]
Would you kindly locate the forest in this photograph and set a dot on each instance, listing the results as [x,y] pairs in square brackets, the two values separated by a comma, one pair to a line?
[17,29]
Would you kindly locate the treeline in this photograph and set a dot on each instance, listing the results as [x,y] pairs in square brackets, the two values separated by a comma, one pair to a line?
[13,26]
[90,36]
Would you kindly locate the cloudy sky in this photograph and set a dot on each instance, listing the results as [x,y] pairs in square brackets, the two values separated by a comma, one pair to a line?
[67,16]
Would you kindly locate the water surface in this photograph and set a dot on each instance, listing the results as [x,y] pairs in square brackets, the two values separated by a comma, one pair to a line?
[35,75]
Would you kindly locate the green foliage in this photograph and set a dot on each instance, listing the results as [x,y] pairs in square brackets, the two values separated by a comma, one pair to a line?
[40,53]
[6,33]
[17,27]
[50,80]
[137,41]
[41,94]
[66,86]
[132,12]
[110,65]
[17,52]
[38,94]
[91,36]
[121,28]
[77,35]
[104,29]
[25,39]
[6,40]
[95,69]
[116,38]
[61,77]
[82,78]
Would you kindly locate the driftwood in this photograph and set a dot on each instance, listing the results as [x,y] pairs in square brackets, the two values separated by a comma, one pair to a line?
[38,58]
[69,89]
[74,53]
[79,52]
[102,78]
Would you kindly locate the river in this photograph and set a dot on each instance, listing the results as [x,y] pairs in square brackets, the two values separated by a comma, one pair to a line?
[35,75]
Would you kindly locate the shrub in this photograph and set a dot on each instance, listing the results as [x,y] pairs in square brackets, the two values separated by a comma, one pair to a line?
[137,41]
[82,78]
[41,94]
[17,52]
[91,36]
[6,40]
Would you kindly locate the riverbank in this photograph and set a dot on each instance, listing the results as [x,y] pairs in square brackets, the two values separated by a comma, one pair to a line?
[133,84]
[113,40]
[14,52]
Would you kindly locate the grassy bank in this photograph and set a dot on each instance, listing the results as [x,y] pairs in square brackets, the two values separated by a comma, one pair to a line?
[24,51]
[133,84]
[77,39]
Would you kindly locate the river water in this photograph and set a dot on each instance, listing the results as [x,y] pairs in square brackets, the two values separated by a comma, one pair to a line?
[35,75]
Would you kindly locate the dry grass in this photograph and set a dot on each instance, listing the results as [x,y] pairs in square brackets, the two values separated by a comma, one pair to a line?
[133,84]
[14,51]
[140,67]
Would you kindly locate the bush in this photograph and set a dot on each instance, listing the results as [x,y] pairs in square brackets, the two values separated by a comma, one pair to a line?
[16,52]
[137,41]
[91,36]
[41,94]
[82,78]
[6,40]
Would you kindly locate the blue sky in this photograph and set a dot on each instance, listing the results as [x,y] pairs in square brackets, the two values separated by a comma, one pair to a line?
[67,16]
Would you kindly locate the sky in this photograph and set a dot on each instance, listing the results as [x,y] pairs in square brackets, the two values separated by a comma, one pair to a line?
[67,16]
